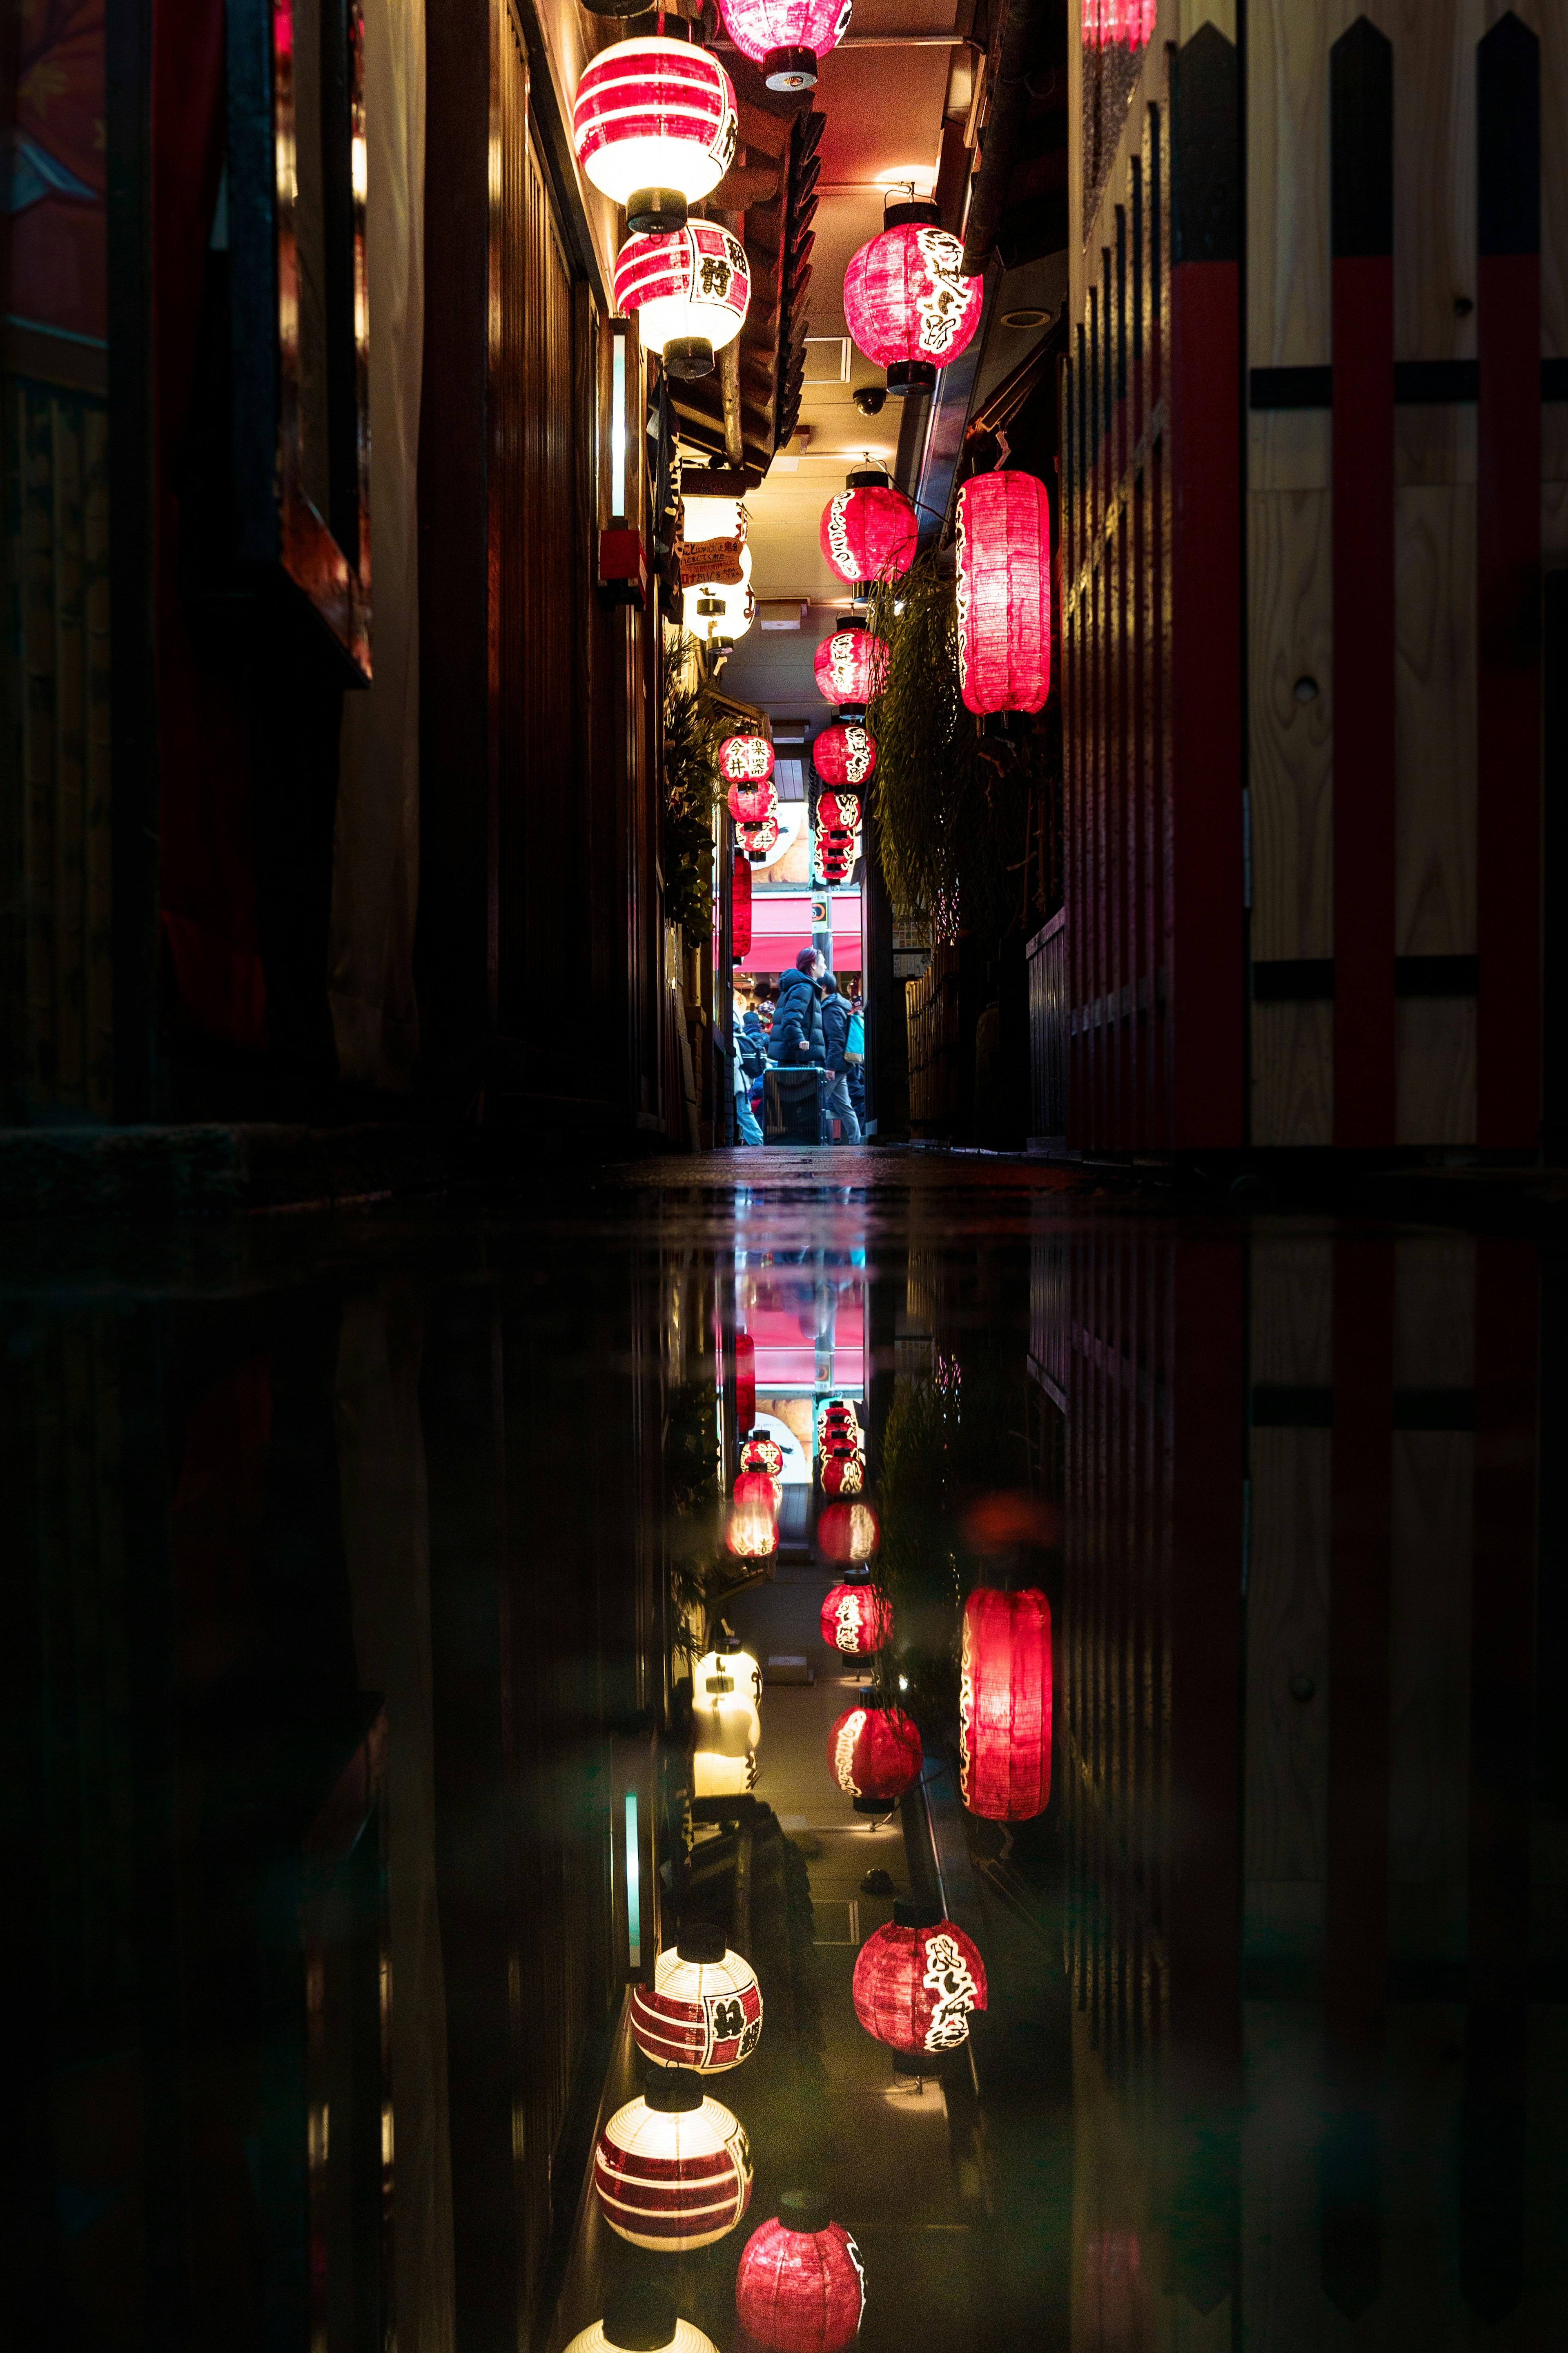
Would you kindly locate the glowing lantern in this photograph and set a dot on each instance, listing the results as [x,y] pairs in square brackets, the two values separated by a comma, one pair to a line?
[751,1530]
[917,1980]
[907,303]
[704,2009]
[729,1657]
[843,1474]
[850,665]
[745,760]
[691,292]
[1108,22]
[751,804]
[653,127]
[785,37]
[761,1452]
[844,753]
[847,1531]
[1004,593]
[640,2320]
[741,907]
[801,2287]
[761,839]
[856,1619]
[672,2170]
[839,813]
[719,610]
[726,1726]
[1004,1705]
[868,532]
[838,1413]
[874,1752]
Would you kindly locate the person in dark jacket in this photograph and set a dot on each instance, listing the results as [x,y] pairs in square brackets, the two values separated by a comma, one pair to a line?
[836,1038]
[797,1021]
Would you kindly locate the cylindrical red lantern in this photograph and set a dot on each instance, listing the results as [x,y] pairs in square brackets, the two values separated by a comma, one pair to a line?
[745,760]
[856,1619]
[843,1474]
[753,1531]
[1108,22]
[844,753]
[785,37]
[753,804]
[639,2319]
[1004,1705]
[745,1347]
[907,303]
[917,1980]
[850,665]
[1004,593]
[672,2170]
[653,127]
[691,292]
[868,532]
[741,907]
[761,1452]
[704,2008]
[847,1531]
[801,2287]
[875,1752]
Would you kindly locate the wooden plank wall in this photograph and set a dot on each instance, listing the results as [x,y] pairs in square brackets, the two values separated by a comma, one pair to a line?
[932,1016]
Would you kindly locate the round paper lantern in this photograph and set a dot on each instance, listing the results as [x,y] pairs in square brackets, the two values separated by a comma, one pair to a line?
[843,1474]
[868,532]
[761,1452]
[722,609]
[729,1657]
[801,2287]
[759,837]
[672,2170]
[1004,593]
[907,303]
[850,665]
[874,1752]
[1004,1705]
[916,1981]
[785,37]
[844,753]
[838,1413]
[640,2320]
[745,760]
[653,127]
[751,804]
[839,812]
[691,292]
[847,1531]
[856,1619]
[704,2008]
[726,1724]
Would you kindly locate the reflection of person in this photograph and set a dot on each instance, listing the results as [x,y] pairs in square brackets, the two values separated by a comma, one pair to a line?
[836,1035]
[797,1023]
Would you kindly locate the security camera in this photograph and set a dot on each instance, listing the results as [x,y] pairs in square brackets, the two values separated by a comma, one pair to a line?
[870,400]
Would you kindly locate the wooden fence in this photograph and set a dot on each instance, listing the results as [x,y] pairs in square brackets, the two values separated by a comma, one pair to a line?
[935,1061]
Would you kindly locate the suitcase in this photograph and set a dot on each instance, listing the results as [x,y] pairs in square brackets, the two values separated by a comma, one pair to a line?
[795,1104]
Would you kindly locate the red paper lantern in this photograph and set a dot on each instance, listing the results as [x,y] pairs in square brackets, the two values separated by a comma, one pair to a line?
[838,811]
[761,1452]
[874,1752]
[1004,1705]
[653,127]
[907,303]
[745,1347]
[753,804]
[856,1619]
[785,37]
[672,2170]
[850,667]
[704,2008]
[753,1531]
[745,760]
[844,753]
[838,1413]
[843,1474]
[691,292]
[801,2287]
[1107,22]
[741,907]
[1004,593]
[868,532]
[917,1980]
[847,1531]
[757,839]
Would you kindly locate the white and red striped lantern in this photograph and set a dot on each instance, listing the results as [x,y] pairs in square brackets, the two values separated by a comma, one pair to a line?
[856,1619]
[801,2285]
[917,1982]
[907,303]
[1005,1705]
[653,127]
[672,2170]
[1108,22]
[844,753]
[745,760]
[785,37]
[690,291]
[704,2008]
[847,1531]
[640,2319]
[1004,593]
[868,532]
[753,804]
[761,1452]
[875,1752]
[850,667]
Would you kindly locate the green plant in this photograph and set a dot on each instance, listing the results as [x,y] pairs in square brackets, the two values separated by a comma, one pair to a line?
[693,728]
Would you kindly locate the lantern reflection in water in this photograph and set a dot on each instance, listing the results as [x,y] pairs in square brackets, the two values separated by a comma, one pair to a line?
[704,2009]
[917,1980]
[672,2170]
[1005,1705]
[801,2286]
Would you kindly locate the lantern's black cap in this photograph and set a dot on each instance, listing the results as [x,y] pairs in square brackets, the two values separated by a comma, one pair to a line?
[848,621]
[689,356]
[868,478]
[912,212]
[908,1913]
[790,70]
[804,2210]
[856,1574]
[639,2319]
[673,2091]
[656,212]
[702,1941]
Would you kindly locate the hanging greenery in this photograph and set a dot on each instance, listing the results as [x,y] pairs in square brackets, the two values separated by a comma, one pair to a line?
[692,728]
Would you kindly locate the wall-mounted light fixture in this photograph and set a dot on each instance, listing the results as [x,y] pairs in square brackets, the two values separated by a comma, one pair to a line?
[622,564]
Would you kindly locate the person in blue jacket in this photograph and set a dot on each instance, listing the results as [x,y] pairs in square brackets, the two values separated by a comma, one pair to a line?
[751,1061]
[854,1057]
[835,1037]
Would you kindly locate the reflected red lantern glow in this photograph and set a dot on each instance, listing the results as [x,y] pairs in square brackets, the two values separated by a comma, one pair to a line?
[907,303]
[1107,22]
[874,1752]
[745,760]
[869,533]
[783,37]
[753,804]
[844,753]
[1004,593]
[1005,1705]
[850,667]
[653,113]
[856,1619]
[741,907]
[917,1980]
[670,2177]
[838,1413]
[800,2287]
[847,1531]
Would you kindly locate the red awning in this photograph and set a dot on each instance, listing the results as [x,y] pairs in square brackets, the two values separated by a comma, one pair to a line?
[782,926]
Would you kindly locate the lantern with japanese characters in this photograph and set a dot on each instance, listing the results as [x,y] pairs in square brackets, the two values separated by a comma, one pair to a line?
[725,1728]
[839,1413]
[672,2170]
[759,840]
[850,665]
[752,1530]
[753,804]
[785,37]
[868,532]
[1005,1705]
[874,1753]
[745,760]
[847,1532]
[653,127]
[917,1980]
[639,2319]
[907,303]
[856,1619]
[801,2287]
[691,292]
[719,611]
[838,814]
[761,1452]
[1004,593]
[843,1474]
[844,754]
[704,2008]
